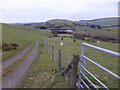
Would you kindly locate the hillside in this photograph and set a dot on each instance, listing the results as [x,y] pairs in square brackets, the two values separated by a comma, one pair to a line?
[43,71]
[60,22]
[64,23]
[103,21]
[33,25]
[23,36]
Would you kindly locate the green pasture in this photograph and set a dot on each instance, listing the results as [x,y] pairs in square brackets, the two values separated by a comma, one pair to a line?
[62,35]
[104,31]
[21,35]
[108,61]
[41,71]
[104,21]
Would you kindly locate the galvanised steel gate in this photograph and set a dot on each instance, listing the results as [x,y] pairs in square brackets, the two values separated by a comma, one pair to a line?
[83,59]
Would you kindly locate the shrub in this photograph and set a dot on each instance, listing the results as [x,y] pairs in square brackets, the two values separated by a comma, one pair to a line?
[82,34]
[7,47]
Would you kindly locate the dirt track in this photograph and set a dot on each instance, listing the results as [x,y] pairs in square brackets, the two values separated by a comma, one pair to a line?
[17,56]
[13,78]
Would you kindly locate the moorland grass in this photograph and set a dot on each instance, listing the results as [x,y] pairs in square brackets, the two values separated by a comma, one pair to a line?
[42,69]
[104,31]
[106,60]
[41,72]
[62,35]
[21,35]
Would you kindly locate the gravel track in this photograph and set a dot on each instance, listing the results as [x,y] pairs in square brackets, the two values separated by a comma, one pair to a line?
[12,79]
[10,61]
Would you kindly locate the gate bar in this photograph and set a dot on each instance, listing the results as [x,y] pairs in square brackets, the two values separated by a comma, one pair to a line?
[113,74]
[89,80]
[102,49]
[95,77]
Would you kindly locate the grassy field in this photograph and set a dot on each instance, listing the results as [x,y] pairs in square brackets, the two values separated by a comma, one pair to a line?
[110,21]
[21,35]
[113,30]
[62,35]
[60,22]
[103,21]
[41,72]
[110,62]
[42,64]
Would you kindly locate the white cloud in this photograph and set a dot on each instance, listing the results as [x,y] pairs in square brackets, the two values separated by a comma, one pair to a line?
[41,10]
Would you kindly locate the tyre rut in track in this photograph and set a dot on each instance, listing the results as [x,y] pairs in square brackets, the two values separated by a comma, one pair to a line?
[12,79]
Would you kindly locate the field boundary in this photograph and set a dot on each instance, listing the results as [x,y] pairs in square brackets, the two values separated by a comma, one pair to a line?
[71,70]
[83,59]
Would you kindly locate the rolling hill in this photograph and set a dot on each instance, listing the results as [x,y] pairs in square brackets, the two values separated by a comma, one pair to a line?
[23,36]
[111,21]
[60,22]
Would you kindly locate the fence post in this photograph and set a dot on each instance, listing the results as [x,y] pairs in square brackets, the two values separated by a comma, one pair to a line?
[48,48]
[44,43]
[81,64]
[73,77]
[59,62]
[52,54]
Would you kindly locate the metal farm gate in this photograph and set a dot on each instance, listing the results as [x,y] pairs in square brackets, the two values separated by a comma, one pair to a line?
[83,59]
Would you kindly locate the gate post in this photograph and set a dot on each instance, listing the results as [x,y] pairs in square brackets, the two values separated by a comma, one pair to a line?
[52,54]
[73,71]
[81,58]
[48,49]
[81,63]
[59,62]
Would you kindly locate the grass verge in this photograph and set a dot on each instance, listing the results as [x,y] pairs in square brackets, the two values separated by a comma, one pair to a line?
[42,73]
[23,36]
[108,61]
[11,67]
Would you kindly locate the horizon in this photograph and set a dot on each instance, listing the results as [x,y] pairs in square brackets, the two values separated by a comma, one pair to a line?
[26,11]
[60,19]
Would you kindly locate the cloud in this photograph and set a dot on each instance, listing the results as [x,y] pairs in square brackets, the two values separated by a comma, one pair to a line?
[42,10]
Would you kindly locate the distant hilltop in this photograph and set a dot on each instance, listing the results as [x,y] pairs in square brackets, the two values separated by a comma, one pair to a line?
[64,23]
[103,21]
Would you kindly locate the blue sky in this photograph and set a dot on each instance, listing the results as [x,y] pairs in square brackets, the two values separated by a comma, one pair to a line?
[15,11]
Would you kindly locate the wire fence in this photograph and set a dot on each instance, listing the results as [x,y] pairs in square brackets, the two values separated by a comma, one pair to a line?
[53,52]
[66,66]
[69,66]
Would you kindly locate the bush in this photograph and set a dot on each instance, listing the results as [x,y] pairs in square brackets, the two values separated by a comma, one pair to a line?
[7,47]
[82,34]
[55,35]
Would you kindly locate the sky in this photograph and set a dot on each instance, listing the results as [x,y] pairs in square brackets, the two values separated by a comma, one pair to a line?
[25,11]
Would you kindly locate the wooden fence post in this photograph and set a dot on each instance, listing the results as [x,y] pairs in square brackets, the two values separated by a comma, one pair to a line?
[52,54]
[59,62]
[73,71]
[44,43]
[48,48]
